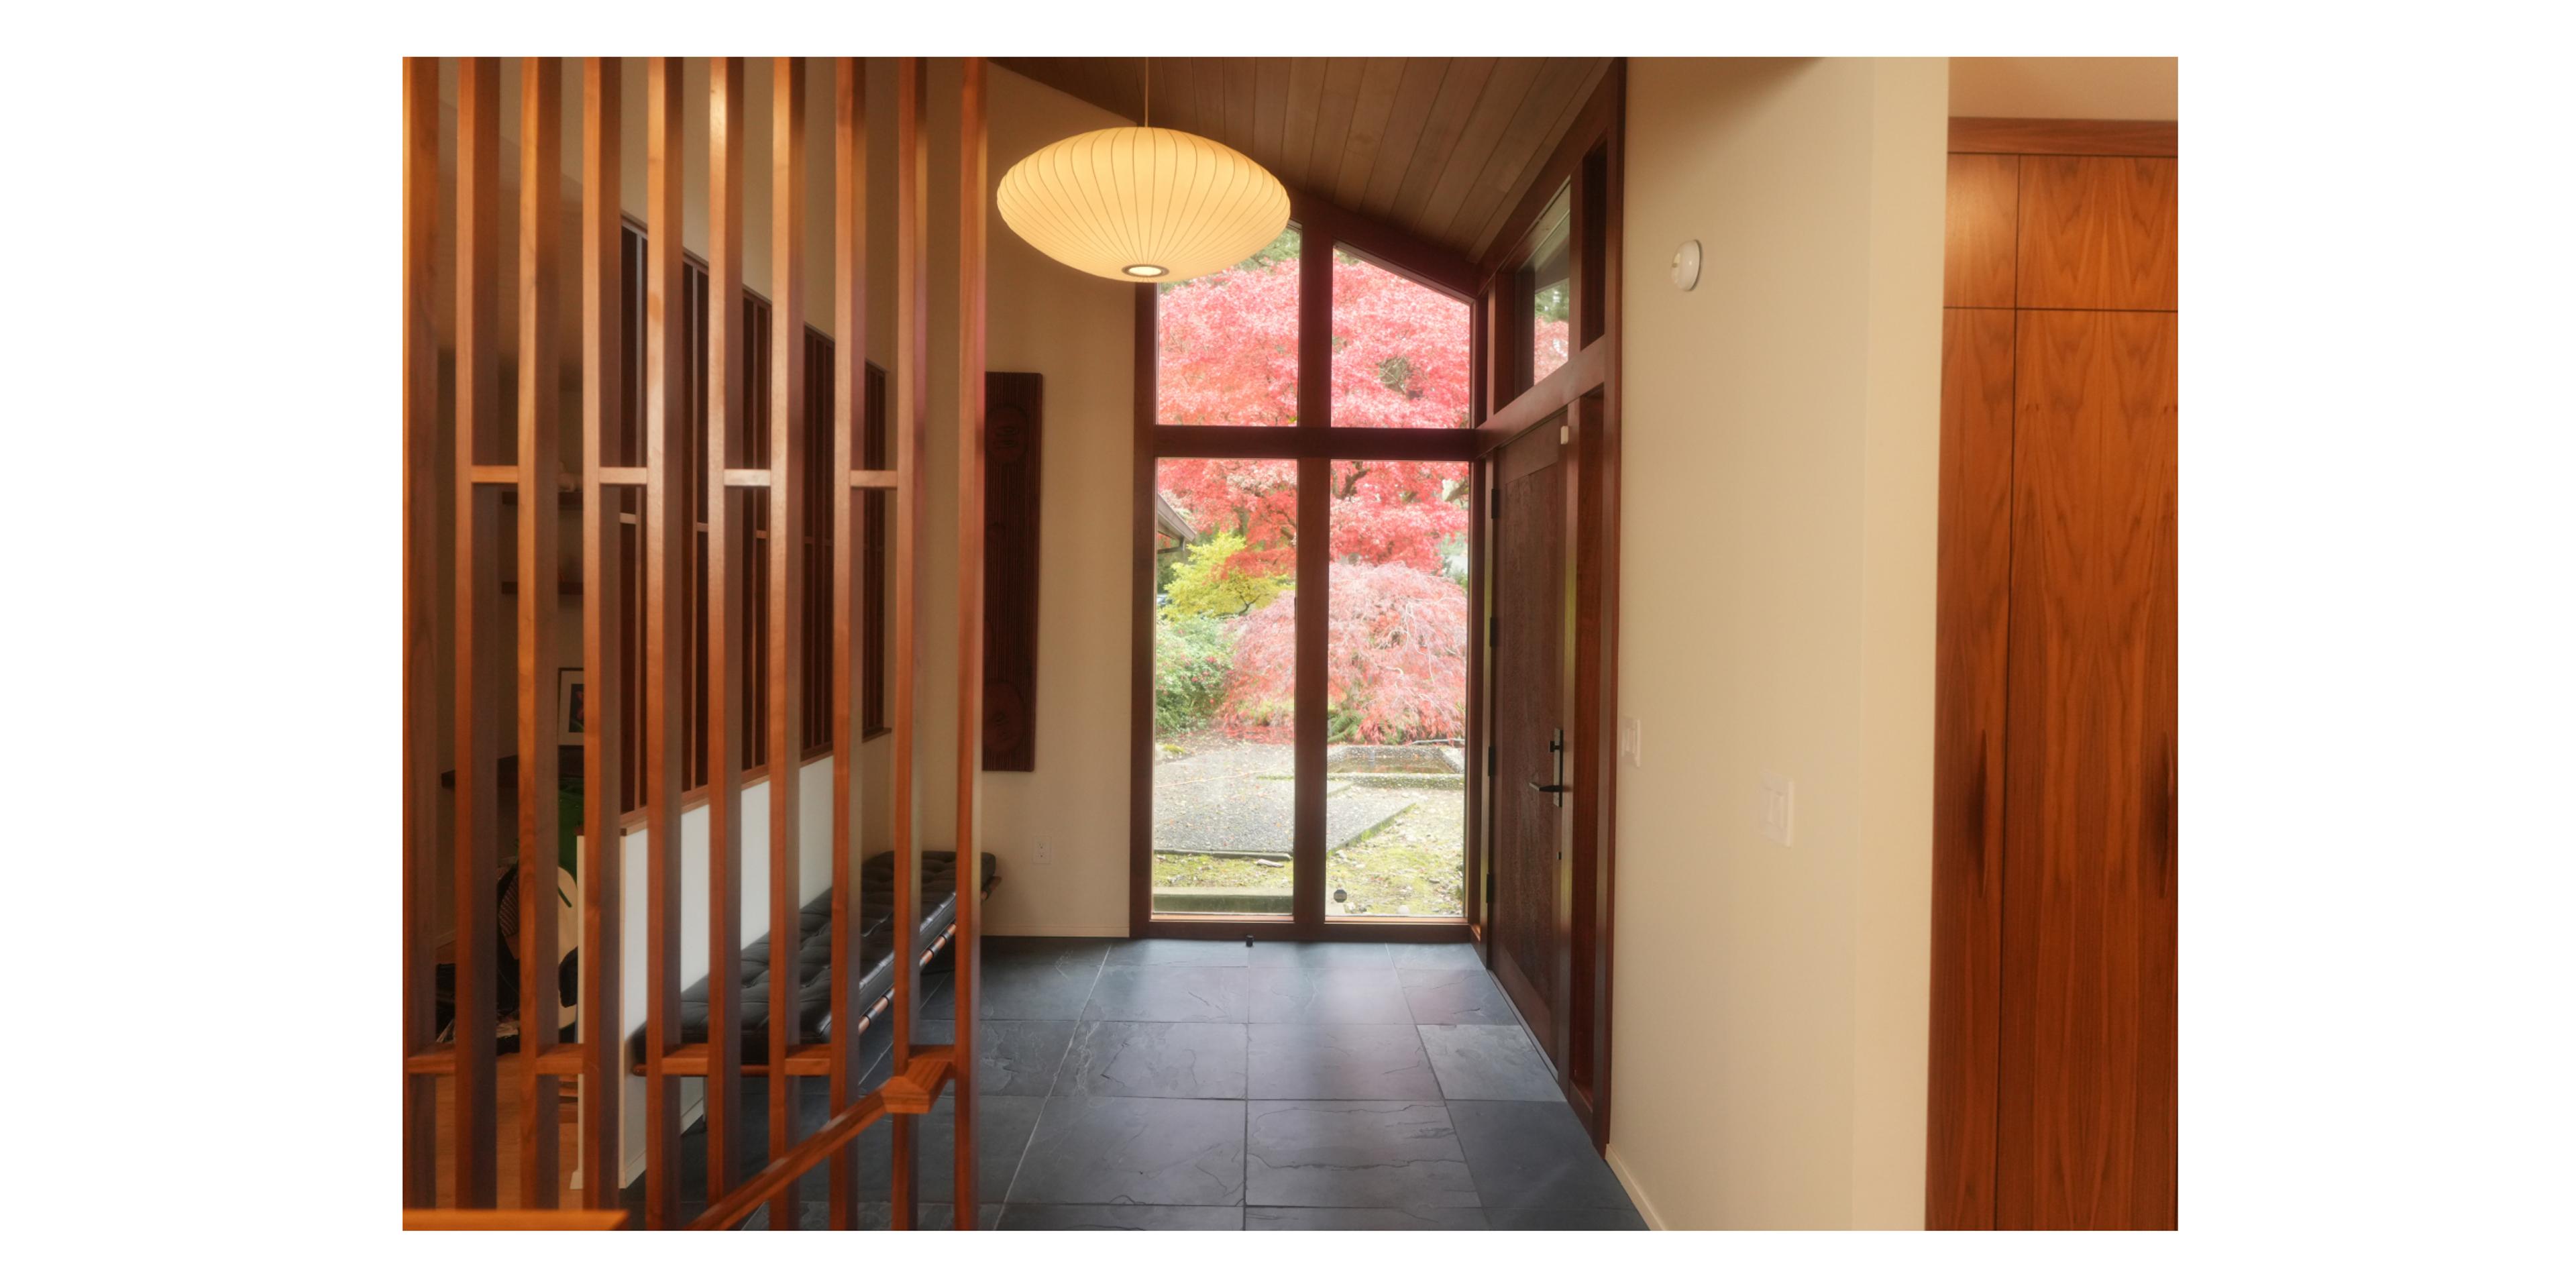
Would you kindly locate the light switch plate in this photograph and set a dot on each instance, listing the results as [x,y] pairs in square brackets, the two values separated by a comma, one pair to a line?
[1632,740]
[1779,808]
[1045,854]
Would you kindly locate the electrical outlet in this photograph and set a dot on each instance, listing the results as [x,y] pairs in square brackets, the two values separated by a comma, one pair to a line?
[1632,740]
[1045,855]
[1779,808]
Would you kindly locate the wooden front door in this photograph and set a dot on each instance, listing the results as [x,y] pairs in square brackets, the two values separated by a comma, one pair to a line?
[1530,922]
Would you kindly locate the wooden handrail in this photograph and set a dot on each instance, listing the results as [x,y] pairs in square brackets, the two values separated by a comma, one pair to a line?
[838,1130]
[514,1218]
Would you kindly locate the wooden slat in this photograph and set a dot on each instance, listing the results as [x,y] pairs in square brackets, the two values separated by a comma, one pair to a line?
[513,1219]
[668,519]
[1456,169]
[849,407]
[912,417]
[1381,79]
[480,678]
[1341,96]
[787,520]
[873,480]
[603,611]
[540,458]
[971,217]
[1297,129]
[728,533]
[1460,92]
[420,583]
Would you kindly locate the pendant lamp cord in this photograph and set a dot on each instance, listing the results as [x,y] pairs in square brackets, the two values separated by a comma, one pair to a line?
[1149,93]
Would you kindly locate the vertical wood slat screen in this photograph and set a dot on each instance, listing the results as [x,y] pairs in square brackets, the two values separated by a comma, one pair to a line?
[768,402]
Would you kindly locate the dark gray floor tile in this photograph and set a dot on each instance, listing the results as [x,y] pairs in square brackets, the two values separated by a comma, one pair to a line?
[1454,997]
[1306,1218]
[1178,992]
[1565,1219]
[1046,981]
[880,1216]
[1111,1149]
[1119,1216]
[1322,956]
[1353,1153]
[1001,1136]
[1526,1154]
[1023,947]
[1340,1062]
[1488,1062]
[1164,952]
[1150,1058]
[1459,956]
[1298,995]
[1012,1057]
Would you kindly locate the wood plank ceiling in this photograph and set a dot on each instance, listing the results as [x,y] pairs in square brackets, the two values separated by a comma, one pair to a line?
[1441,147]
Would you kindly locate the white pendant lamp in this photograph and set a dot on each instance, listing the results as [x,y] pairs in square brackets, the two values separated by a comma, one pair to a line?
[1141,204]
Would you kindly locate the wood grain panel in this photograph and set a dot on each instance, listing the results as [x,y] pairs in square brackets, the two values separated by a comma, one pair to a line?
[1974,566]
[2086,1118]
[1297,129]
[1015,423]
[1506,89]
[2097,233]
[1978,229]
[1372,110]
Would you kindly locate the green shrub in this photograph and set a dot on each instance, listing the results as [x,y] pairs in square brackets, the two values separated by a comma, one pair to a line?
[1193,660]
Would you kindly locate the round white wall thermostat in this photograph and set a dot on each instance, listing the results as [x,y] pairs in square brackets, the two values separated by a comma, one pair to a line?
[1686,265]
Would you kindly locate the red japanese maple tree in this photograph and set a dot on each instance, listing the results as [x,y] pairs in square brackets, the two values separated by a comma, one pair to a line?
[1229,349]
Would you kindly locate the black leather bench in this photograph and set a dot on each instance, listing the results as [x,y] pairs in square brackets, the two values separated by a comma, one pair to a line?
[814,956]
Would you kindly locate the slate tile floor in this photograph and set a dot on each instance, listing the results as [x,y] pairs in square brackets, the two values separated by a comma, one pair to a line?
[1206,1085]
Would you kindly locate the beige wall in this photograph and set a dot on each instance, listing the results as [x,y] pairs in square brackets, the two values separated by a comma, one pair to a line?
[2116,89]
[1777,536]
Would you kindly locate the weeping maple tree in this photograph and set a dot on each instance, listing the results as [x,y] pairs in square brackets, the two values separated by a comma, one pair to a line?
[1397,620]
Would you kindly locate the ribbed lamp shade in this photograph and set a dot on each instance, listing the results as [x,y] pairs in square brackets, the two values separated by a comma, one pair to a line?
[1143,205]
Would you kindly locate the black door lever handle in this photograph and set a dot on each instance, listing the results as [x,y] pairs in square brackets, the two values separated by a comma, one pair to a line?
[1550,787]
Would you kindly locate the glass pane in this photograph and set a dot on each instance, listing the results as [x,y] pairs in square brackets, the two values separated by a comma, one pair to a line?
[1229,343]
[1395,840]
[1546,277]
[1400,355]
[1225,685]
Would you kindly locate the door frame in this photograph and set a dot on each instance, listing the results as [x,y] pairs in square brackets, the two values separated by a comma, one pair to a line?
[1589,164]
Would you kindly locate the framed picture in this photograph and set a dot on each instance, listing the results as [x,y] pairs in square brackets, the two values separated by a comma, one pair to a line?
[571,719]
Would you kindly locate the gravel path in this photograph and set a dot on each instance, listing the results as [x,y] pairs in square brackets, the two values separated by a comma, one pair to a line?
[1240,797]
